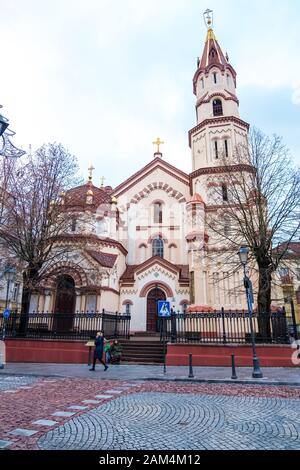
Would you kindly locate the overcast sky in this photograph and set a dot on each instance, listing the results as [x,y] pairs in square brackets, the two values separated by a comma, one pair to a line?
[106,77]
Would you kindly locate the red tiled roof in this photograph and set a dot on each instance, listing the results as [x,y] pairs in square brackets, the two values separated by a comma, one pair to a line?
[212,54]
[199,309]
[292,251]
[107,260]
[77,196]
[196,199]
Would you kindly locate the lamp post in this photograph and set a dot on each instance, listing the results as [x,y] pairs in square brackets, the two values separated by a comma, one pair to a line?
[7,148]
[9,274]
[243,254]
[4,123]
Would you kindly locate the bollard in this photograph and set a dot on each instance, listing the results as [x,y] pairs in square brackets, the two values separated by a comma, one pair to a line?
[233,372]
[191,375]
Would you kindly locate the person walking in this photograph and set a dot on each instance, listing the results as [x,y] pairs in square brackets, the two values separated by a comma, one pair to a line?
[98,353]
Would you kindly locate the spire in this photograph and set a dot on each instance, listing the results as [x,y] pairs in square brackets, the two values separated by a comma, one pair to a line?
[212,54]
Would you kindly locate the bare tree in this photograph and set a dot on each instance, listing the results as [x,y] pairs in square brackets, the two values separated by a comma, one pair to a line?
[257,203]
[33,214]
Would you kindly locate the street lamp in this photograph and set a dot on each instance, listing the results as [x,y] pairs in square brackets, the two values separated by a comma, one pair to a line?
[243,254]
[4,123]
[9,274]
[8,149]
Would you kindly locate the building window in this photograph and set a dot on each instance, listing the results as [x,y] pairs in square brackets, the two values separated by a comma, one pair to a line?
[215,77]
[224,193]
[226,147]
[127,309]
[158,213]
[217,107]
[184,307]
[228,80]
[73,226]
[16,292]
[202,82]
[158,247]
[216,149]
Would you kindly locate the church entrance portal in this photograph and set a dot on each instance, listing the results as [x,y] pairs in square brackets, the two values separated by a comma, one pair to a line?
[64,304]
[154,296]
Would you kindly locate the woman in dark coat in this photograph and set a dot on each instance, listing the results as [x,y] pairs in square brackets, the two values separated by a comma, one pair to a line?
[98,353]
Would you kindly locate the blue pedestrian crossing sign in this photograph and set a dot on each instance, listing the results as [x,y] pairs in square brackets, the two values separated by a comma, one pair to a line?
[6,313]
[163,308]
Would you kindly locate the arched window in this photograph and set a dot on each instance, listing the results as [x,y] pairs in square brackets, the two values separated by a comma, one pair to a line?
[128,308]
[217,107]
[143,251]
[202,82]
[215,77]
[173,253]
[158,247]
[73,224]
[157,212]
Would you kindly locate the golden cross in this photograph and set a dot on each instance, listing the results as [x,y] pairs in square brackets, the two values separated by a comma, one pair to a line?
[102,181]
[91,168]
[158,143]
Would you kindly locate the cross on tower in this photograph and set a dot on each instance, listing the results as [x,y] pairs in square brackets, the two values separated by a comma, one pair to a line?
[91,169]
[158,142]
[102,181]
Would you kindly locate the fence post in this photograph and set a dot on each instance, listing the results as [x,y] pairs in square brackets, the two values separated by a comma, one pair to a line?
[223,324]
[294,319]
[191,374]
[233,371]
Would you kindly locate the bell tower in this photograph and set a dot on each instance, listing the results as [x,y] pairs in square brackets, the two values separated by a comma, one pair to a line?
[219,128]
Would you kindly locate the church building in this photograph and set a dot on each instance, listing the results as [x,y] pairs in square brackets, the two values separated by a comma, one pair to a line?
[146,239]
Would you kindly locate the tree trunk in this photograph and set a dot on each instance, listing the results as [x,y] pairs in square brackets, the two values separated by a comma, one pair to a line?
[264,302]
[28,279]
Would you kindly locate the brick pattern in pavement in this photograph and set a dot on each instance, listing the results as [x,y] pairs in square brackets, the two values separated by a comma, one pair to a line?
[187,406]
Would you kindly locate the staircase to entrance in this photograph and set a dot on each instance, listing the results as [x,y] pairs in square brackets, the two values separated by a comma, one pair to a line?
[143,348]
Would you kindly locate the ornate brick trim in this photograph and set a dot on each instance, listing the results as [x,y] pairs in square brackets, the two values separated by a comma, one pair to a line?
[222,169]
[92,238]
[152,187]
[110,289]
[148,169]
[160,284]
[159,235]
[217,120]
[208,100]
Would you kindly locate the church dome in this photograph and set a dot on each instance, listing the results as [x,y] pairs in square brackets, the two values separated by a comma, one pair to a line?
[76,197]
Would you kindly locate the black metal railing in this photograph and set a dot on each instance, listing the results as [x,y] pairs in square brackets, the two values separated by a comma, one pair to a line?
[78,326]
[223,327]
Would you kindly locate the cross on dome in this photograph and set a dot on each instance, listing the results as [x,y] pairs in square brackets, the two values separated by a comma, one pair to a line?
[91,169]
[158,142]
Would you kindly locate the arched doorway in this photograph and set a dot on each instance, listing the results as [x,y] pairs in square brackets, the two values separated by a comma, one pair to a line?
[64,303]
[153,297]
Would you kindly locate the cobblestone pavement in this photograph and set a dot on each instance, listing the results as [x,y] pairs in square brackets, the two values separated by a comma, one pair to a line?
[14,382]
[65,413]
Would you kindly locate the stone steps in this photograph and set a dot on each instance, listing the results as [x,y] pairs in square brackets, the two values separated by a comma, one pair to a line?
[141,352]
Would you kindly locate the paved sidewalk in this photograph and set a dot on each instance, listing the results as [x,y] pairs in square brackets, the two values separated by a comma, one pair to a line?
[272,375]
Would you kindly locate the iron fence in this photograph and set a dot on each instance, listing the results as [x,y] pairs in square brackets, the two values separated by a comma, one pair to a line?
[224,327]
[78,326]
